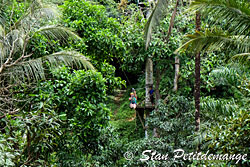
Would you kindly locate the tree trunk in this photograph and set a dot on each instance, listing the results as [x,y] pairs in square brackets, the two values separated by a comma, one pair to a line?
[197,81]
[157,95]
[176,76]
[171,25]
[149,80]
[157,85]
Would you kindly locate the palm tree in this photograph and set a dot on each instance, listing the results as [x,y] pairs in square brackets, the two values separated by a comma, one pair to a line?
[159,11]
[197,81]
[17,65]
[234,16]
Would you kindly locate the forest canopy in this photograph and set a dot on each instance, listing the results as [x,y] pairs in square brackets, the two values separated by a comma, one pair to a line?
[69,69]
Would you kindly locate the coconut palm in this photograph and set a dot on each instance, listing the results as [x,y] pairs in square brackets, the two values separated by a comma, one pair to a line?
[233,16]
[16,63]
[157,13]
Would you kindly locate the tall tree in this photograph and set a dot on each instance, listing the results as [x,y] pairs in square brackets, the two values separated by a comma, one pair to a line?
[158,13]
[235,35]
[197,80]
[17,64]
[176,75]
[149,80]
[235,14]
[153,20]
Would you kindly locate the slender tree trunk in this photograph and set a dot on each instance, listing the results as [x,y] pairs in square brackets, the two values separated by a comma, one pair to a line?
[171,25]
[197,81]
[149,80]
[149,70]
[157,94]
[176,76]
[157,85]
[159,73]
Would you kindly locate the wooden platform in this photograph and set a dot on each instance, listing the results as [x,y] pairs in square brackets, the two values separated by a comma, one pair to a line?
[144,107]
[141,113]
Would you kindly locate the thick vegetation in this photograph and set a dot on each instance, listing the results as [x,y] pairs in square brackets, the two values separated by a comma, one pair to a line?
[63,64]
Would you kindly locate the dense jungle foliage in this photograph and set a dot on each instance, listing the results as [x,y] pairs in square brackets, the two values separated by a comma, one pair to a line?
[67,68]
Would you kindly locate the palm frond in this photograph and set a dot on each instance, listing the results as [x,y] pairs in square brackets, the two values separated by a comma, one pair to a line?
[2,21]
[11,43]
[34,69]
[216,39]
[158,12]
[57,33]
[1,30]
[15,35]
[36,15]
[218,106]
[234,12]
[70,58]
[243,57]
[2,44]
[226,76]
[3,4]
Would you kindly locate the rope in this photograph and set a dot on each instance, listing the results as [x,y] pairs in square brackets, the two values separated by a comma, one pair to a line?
[126,77]
[124,72]
[140,119]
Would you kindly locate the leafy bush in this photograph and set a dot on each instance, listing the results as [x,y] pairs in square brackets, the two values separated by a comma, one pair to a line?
[173,122]
[99,32]
[174,119]
[231,137]
[61,119]
[79,99]
[7,154]
[213,109]
[112,82]
[31,133]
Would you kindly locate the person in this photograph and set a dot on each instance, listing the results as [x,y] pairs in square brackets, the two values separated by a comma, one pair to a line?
[151,95]
[132,101]
[133,91]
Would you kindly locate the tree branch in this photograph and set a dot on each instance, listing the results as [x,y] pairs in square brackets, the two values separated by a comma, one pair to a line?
[10,56]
